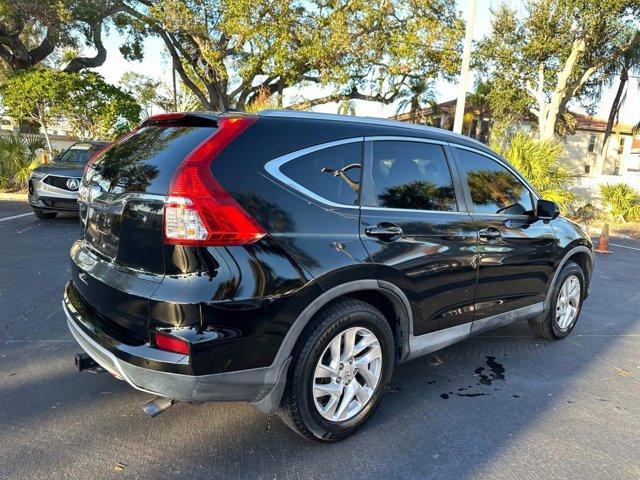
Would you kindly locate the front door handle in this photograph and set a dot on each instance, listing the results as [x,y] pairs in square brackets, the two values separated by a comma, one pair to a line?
[385,231]
[490,233]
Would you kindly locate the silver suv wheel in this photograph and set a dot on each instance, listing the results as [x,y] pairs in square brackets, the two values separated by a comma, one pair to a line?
[347,374]
[568,303]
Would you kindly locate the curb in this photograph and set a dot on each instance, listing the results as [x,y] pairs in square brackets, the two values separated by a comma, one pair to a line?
[13,197]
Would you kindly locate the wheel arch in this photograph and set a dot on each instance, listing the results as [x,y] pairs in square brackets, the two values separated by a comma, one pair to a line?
[383,295]
[583,256]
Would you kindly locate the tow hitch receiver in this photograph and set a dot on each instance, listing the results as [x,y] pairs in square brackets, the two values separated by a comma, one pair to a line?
[84,362]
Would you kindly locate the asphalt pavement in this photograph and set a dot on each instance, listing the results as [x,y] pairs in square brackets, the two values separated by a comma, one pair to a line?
[504,405]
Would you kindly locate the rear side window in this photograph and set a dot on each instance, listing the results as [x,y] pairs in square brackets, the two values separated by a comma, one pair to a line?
[146,161]
[331,173]
[493,188]
[412,175]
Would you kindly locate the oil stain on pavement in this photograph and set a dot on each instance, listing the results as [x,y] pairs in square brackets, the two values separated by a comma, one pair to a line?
[496,372]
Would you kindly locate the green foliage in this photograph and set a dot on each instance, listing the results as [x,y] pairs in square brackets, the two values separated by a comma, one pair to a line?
[38,95]
[546,53]
[19,155]
[226,52]
[621,201]
[539,162]
[146,91]
[53,33]
[93,108]
[419,94]
[100,110]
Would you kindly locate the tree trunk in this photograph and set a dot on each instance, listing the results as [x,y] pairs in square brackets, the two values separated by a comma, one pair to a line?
[615,108]
[546,126]
[46,135]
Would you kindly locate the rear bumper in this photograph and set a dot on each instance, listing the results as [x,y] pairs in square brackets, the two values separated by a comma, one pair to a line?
[255,385]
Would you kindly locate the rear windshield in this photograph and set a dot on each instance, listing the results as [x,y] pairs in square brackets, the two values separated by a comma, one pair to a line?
[79,153]
[146,161]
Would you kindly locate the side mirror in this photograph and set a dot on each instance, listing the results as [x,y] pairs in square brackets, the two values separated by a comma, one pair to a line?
[547,209]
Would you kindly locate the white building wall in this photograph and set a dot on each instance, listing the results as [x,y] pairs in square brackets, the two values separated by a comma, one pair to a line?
[591,171]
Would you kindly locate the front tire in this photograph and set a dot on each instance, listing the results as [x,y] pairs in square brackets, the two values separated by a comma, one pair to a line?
[43,214]
[566,304]
[340,371]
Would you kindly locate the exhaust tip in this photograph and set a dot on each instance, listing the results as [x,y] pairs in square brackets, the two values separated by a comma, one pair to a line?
[156,406]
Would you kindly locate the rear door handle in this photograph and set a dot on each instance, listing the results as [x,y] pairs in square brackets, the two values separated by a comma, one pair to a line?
[490,233]
[385,231]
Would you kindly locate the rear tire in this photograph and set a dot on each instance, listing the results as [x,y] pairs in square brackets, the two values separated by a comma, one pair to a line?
[346,322]
[557,325]
[43,214]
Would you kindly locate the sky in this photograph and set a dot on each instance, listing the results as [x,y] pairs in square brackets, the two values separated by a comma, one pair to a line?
[157,65]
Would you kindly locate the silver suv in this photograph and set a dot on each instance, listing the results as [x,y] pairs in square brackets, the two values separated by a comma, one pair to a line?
[53,187]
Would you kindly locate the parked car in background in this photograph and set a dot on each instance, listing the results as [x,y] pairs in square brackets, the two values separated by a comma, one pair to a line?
[292,259]
[53,187]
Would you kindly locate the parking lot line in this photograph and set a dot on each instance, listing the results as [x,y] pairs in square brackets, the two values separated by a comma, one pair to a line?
[624,246]
[15,216]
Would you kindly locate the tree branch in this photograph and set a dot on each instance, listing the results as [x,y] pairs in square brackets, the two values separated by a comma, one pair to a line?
[45,48]
[337,97]
[78,63]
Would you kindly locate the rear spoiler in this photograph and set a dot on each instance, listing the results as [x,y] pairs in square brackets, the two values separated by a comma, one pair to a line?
[192,119]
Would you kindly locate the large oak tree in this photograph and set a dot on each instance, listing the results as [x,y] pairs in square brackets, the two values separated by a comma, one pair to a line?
[231,53]
[552,52]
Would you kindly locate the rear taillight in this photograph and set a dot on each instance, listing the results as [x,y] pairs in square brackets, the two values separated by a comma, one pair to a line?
[198,211]
[171,344]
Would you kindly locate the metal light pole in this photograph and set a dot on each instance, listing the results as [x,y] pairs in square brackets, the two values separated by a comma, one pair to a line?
[464,70]
[175,90]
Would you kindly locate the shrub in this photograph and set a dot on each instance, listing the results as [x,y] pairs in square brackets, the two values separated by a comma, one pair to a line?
[621,201]
[19,155]
[539,162]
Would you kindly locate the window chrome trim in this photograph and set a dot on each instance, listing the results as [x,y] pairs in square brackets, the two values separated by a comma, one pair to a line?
[506,165]
[413,210]
[396,138]
[273,169]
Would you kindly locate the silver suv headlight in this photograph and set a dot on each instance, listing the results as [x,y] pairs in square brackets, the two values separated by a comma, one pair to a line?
[37,175]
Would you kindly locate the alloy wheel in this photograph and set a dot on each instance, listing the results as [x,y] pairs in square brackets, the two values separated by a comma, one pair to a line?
[347,374]
[568,302]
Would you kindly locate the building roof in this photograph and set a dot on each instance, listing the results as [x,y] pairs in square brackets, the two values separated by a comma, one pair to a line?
[584,122]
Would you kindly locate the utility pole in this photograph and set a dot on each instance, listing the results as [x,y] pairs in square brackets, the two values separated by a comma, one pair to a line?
[464,70]
[175,90]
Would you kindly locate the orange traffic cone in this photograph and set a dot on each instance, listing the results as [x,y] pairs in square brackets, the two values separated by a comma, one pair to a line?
[603,241]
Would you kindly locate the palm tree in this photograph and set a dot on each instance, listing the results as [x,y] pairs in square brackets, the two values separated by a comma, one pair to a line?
[478,104]
[420,94]
[19,155]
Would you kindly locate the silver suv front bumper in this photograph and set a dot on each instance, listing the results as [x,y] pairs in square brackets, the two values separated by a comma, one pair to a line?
[49,197]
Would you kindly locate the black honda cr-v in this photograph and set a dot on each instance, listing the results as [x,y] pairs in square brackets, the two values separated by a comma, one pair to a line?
[292,259]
